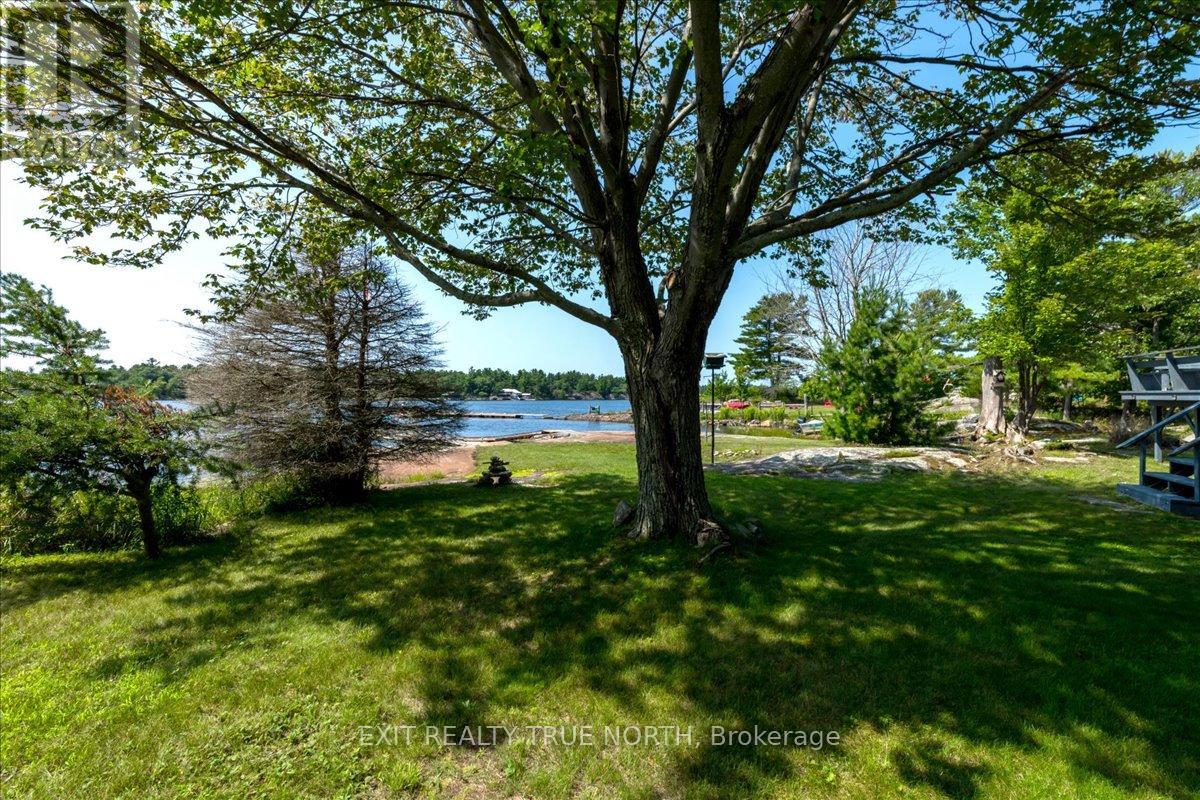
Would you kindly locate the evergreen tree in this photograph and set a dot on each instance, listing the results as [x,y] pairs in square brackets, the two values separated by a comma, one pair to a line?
[772,342]
[878,378]
[331,372]
[61,431]
[943,317]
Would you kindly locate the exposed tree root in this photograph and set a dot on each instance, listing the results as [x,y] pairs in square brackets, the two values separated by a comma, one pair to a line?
[718,549]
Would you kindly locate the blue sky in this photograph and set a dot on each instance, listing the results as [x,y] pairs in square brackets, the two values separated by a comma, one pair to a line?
[142,311]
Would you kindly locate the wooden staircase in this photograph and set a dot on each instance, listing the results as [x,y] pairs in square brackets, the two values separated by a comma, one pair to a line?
[1173,491]
[1166,381]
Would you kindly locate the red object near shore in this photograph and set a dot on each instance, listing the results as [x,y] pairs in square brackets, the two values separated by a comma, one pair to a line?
[735,404]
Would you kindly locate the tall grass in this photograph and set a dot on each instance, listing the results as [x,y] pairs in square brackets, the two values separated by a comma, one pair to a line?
[777,415]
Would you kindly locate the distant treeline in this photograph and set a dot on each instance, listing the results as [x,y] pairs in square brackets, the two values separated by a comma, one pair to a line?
[162,381]
[169,382]
[543,385]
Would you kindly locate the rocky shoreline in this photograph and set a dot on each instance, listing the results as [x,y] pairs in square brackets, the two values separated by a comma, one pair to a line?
[609,416]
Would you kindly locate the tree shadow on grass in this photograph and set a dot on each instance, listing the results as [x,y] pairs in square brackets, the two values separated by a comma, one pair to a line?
[977,612]
[25,581]
[992,615]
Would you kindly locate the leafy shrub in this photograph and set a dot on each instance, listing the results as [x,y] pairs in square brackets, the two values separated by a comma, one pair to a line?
[37,524]
[91,521]
[179,512]
[238,500]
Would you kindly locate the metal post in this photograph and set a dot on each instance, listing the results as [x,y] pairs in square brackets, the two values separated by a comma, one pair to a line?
[1194,420]
[712,362]
[712,416]
[1156,416]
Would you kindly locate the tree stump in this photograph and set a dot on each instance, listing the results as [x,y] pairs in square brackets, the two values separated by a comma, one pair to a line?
[991,409]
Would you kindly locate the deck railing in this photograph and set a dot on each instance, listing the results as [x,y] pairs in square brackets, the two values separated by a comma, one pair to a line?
[1166,381]
[1158,427]
[1169,371]
[1153,434]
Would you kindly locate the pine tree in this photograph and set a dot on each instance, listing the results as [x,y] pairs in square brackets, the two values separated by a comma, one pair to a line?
[878,378]
[332,373]
[944,319]
[61,431]
[772,342]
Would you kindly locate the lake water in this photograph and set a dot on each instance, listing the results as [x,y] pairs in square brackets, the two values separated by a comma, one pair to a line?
[536,415]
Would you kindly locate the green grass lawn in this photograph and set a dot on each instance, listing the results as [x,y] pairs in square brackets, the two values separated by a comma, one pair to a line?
[966,636]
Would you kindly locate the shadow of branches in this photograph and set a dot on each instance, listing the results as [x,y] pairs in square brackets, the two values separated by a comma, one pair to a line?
[950,606]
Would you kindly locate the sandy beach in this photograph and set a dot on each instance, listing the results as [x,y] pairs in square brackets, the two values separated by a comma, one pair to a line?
[459,461]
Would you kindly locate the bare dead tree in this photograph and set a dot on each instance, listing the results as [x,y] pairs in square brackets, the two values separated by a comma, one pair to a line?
[851,262]
[326,376]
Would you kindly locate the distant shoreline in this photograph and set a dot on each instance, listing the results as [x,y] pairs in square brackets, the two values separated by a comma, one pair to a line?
[604,416]
[497,399]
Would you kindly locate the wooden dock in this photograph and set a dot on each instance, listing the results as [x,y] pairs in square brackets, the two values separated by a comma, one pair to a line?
[497,415]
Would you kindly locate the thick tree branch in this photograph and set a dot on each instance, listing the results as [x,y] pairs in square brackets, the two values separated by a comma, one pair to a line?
[705,27]
[846,209]
[793,67]
[656,139]
[368,208]
[779,208]
[606,81]
[579,165]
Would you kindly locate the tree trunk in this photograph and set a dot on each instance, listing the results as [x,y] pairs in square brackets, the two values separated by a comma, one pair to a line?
[1068,400]
[361,401]
[145,507]
[347,485]
[1028,384]
[332,481]
[1123,425]
[672,499]
[991,407]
